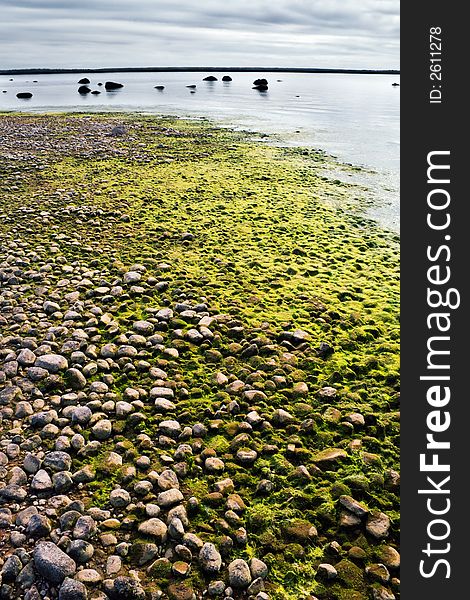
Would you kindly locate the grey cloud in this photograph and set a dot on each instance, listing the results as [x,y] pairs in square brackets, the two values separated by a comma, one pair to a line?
[336,33]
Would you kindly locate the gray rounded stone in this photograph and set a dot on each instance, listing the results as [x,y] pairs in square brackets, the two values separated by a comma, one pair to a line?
[75,379]
[102,429]
[127,588]
[169,498]
[81,551]
[53,363]
[72,589]
[52,563]
[57,461]
[119,498]
[155,528]
[239,574]
[210,558]
[81,415]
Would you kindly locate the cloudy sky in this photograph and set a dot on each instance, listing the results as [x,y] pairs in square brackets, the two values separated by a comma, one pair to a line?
[127,33]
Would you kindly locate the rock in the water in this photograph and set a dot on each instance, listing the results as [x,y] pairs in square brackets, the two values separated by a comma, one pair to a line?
[260,84]
[52,563]
[210,78]
[84,81]
[112,85]
[24,95]
[226,78]
[83,90]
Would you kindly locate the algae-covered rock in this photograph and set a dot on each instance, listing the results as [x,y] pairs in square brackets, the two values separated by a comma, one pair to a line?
[329,457]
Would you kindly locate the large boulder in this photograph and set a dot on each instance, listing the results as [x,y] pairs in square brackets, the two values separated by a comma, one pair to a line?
[84,81]
[24,95]
[83,90]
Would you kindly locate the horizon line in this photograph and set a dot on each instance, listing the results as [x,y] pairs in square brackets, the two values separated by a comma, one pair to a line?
[58,70]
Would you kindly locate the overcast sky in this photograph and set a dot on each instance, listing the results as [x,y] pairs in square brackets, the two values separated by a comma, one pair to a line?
[129,33]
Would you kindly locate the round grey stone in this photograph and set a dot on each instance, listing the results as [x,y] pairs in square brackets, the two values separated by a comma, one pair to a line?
[210,558]
[53,363]
[71,589]
[52,563]
[239,574]
[102,429]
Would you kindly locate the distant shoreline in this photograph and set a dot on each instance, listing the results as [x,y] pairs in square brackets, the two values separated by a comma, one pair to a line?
[36,71]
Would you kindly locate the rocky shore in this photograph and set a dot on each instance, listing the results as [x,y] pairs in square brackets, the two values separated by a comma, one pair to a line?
[198,368]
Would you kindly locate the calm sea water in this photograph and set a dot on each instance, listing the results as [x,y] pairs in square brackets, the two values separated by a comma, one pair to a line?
[353,117]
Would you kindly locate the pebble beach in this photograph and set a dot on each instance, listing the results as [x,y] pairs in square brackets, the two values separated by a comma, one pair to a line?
[199,367]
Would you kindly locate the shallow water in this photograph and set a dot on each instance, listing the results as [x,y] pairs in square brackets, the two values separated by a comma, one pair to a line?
[354,117]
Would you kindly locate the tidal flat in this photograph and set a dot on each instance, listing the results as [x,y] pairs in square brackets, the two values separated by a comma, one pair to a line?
[199,367]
